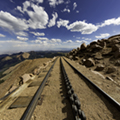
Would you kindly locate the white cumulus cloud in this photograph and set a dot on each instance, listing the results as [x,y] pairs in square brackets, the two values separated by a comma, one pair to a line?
[55,40]
[62,23]
[42,38]
[38,18]
[53,3]
[112,21]
[36,41]
[21,33]
[83,27]
[102,35]
[38,1]
[1,35]
[20,9]
[38,33]
[66,10]
[68,41]
[74,5]
[12,23]
[81,41]
[52,21]
[22,38]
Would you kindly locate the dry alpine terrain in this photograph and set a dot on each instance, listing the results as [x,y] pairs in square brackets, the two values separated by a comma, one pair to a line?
[99,61]
[13,74]
[102,56]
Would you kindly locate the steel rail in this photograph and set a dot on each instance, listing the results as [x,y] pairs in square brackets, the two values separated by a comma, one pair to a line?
[30,109]
[111,100]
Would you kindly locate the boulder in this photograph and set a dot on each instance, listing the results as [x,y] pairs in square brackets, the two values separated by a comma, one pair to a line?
[93,43]
[117,53]
[76,58]
[70,57]
[44,64]
[78,48]
[24,78]
[111,69]
[96,47]
[100,67]
[98,56]
[36,71]
[89,62]
[115,41]
[102,44]
[115,47]
[117,63]
[97,73]
[83,46]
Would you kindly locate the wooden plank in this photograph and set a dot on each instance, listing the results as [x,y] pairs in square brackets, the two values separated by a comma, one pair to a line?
[21,101]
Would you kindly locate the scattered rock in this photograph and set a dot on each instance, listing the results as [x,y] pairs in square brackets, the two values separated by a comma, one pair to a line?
[93,43]
[97,61]
[115,41]
[83,46]
[44,64]
[109,78]
[117,53]
[95,72]
[98,56]
[24,79]
[115,47]
[117,63]
[113,75]
[76,58]
[78,48]
[70,57]
[89,62]
[102,44]
[96,47]
[111,69]
[36,71]
[100,67]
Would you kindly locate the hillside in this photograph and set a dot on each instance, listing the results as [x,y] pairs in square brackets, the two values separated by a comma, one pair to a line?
[11,76]
[101,56]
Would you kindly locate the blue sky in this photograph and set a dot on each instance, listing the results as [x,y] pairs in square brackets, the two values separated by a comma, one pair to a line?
[56,24]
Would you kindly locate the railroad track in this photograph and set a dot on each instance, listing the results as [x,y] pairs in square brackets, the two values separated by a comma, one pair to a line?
[107,100]
[81,99]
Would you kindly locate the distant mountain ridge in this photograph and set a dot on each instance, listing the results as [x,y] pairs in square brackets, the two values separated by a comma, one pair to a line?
[7,60]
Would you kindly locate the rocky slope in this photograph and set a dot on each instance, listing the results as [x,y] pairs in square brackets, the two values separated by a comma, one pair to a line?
[102,56]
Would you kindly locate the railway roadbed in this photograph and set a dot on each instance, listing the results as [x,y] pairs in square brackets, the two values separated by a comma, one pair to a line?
[94,105]
[54,106]
[54,103]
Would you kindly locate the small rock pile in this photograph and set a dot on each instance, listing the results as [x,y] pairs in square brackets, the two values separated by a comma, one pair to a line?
[101,55]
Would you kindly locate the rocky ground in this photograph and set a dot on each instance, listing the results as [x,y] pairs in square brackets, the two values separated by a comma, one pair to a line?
[102,56]
[15,75]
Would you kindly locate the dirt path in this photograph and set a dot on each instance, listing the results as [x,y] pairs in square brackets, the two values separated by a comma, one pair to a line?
[94,105]
[54,106]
